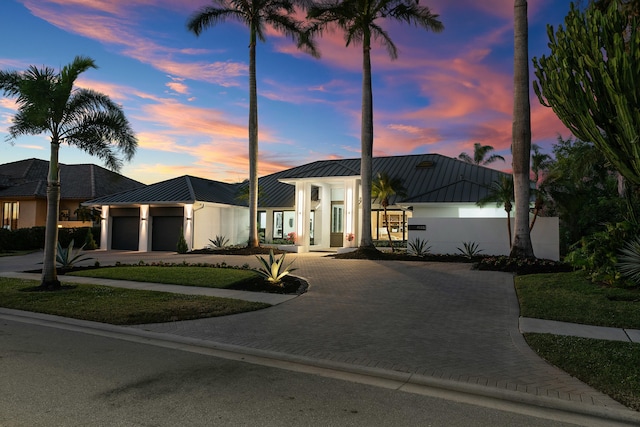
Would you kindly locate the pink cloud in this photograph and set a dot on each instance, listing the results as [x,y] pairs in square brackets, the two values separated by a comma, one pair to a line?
[178,87]
[117,28]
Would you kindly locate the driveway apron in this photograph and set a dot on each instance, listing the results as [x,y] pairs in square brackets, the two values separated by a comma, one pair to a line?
[438,320]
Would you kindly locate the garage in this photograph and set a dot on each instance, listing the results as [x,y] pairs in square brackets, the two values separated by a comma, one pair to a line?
[166,226]
[125,229]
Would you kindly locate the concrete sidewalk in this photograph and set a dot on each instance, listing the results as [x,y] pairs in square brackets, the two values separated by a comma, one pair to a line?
[435,323]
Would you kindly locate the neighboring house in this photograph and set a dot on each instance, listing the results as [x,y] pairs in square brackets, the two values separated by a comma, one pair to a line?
[317,203]
[23,191]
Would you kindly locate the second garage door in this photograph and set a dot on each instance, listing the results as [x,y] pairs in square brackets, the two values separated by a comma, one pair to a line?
[165,232]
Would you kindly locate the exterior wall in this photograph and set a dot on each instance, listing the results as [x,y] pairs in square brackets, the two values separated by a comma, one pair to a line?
[457,210]
[210,220]
[445,235]
[31,213]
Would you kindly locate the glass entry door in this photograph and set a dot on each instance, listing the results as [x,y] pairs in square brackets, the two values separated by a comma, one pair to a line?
[337,224]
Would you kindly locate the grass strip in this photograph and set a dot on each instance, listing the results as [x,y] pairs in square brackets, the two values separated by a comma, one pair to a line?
[613,367]
[572,297]
[208,277]
[117,306]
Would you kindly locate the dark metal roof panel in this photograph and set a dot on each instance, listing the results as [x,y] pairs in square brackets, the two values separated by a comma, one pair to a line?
[184,189]
[28,178]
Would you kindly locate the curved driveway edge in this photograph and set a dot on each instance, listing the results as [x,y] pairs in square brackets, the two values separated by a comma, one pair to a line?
[436,323]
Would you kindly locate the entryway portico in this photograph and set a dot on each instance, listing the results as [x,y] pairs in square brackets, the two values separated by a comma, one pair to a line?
[327,212]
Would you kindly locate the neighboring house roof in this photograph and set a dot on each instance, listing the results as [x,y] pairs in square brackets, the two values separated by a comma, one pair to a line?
[428,178]
[28,178]
[184,189]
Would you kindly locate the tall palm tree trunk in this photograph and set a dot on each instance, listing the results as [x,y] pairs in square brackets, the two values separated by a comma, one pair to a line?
[49,274]
[253,145]
[521,146]
[507,208]
[366,143]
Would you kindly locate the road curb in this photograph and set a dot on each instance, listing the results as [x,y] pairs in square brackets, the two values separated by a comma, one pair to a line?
[402,381]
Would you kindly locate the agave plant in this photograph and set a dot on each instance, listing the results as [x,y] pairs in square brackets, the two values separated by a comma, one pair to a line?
[66,257]
[219,241]
[419,247]
[629,261]
[470,249]
[273,269]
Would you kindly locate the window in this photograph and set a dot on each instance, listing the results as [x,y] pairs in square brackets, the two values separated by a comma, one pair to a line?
[277,225]
[262,225]
[289,223]
[10,215]
[337,213]
[397,224]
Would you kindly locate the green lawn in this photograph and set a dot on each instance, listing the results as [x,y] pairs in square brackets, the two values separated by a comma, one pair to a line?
[117,306]
[571,297]
[612,367]
[174,275]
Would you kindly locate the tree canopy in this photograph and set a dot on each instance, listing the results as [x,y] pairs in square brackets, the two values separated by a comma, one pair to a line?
[591,81]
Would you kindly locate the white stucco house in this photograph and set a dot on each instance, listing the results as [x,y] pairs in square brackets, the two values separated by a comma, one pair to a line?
[316,205]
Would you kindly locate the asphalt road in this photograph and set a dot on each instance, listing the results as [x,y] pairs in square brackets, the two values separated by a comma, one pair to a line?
[56,377]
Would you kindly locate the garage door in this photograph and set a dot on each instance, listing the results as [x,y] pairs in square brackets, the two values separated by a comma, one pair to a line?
[125,233]
[165,232]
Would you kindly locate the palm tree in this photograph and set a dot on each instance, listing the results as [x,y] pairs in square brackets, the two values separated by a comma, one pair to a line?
[501,193]
[358,19]
[255,14]
[479,155]
[383,188]
[49,103]
[521,145]
[540,162]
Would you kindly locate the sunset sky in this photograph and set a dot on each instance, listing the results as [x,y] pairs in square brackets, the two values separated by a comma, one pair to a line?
[187,96]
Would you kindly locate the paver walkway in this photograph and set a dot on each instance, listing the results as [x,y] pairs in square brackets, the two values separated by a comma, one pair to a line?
[436,320]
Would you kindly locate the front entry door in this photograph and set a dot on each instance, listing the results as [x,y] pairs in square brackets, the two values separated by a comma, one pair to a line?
[337,224]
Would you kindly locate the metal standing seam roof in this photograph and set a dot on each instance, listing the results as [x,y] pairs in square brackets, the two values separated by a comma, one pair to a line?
[28,178]
[184,189]
[428,178]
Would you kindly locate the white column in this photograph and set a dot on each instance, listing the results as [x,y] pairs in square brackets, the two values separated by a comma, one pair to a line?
[325,220]
[143,240]
[105,229]
[351,213]
[188,225]
[303,215]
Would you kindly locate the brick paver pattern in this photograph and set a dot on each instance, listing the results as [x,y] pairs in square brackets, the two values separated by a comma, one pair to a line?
[440,320]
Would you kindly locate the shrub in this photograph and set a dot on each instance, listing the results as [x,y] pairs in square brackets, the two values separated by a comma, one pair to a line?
[470,249]
[419,247]
[273,269]
[597,253]
[219,241]
[89,241]
[521,265]
[181,246]
[67,257]
[629,261]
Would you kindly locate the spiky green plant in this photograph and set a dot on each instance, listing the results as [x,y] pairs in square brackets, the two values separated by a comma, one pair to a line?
[219,241]
[66,257]
[629,261]
[274,269]
[470,249]
[419,247]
